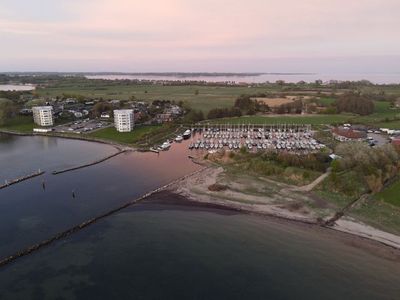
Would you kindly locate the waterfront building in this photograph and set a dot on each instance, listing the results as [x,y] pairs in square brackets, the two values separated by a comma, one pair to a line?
[123,119]
[43,115]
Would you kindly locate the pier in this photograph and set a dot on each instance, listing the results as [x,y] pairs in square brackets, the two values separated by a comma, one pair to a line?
[20,179]
[89,164]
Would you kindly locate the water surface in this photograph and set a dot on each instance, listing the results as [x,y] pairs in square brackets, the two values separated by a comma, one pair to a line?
[16,87]
[156,250]
[172,252]
[30,213]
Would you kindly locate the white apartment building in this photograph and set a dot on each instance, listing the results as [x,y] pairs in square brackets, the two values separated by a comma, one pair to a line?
[43,115]
[123,119]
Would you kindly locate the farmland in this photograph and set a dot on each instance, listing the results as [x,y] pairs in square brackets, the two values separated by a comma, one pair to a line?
[202,98]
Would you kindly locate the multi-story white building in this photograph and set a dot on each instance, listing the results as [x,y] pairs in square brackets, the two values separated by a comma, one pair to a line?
[123,119]
[43,115]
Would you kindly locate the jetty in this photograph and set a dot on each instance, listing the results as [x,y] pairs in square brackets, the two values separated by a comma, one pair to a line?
[90,164]
[20,179]
[64,234]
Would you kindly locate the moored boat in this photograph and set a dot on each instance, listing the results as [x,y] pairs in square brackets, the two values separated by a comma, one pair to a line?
[187,134]
[179,138]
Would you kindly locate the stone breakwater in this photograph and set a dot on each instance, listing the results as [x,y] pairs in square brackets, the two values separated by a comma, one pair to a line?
[64,234]
[89,164]
[20,179]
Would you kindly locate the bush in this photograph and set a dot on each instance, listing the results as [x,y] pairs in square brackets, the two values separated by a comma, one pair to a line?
[355,103]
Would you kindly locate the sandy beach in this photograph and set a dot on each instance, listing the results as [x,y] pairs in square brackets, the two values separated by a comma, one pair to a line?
[281,201]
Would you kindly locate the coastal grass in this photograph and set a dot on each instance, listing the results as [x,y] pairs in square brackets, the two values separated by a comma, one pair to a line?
[390,194]
[254,165]
[338,199]
[378,214]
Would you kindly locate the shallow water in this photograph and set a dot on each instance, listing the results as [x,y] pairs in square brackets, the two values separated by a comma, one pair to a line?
[29,213]
[163,251]
[171,252]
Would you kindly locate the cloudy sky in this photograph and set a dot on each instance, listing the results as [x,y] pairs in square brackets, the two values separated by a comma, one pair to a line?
[200,35]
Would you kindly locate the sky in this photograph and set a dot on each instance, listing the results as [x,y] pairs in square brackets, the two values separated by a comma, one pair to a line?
[340,36]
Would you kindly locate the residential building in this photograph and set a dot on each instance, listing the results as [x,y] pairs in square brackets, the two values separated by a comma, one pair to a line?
[43,115]
[163,118]
[124,120]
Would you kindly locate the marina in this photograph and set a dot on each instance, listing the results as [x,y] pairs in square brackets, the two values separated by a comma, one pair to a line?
[290,138]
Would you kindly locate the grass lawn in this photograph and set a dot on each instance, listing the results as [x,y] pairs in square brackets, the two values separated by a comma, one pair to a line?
[325,101]
[132,137]
[390,194]
[23,124]
[389,125]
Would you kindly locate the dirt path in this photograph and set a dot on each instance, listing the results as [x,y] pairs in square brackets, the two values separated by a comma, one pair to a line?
[312,185]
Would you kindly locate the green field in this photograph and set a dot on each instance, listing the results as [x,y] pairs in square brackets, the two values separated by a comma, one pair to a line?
[286,119]
[382,113]
[23,124]
[132,137]
[326,101]
[391,194]
[209,97]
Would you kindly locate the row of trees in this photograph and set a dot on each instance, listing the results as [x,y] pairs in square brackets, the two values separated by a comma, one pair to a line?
[355,103]
[289,108]
[217,113]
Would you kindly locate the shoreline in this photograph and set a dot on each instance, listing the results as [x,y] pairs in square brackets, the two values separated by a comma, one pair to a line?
[116,145]
[346,226]
[350,227]
[171,199]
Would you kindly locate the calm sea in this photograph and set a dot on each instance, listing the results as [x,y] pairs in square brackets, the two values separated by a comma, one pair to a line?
[157,250]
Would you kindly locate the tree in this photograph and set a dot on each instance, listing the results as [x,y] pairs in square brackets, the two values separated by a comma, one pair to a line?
[7,110]
[355,103]
[100,107]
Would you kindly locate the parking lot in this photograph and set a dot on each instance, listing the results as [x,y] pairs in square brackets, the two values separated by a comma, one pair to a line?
[82,126]
[378,139]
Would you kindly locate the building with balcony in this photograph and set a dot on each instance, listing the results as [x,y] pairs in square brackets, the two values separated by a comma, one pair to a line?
[124,120]
[43,115]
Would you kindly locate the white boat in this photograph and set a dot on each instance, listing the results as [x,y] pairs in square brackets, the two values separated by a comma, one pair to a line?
[179,138]
[165,146]
[187,134]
